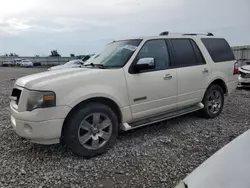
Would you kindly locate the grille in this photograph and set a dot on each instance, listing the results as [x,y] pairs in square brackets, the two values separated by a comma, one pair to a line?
[245,75]
[16,93]
[245,84]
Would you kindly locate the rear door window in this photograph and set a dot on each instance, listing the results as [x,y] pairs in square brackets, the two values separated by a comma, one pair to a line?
[186,53]
[219,49]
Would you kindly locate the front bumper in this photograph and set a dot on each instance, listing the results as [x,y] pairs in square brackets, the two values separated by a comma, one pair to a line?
[43,126]
[244,82]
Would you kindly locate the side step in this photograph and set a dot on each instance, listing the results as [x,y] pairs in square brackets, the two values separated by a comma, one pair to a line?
[162,117]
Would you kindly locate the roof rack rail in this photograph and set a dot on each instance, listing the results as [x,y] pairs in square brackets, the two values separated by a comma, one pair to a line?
[207,34]
[210,34]
[167,33]
[164,33]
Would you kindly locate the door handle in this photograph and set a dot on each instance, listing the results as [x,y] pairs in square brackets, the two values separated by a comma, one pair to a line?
[205,71]
[167,76]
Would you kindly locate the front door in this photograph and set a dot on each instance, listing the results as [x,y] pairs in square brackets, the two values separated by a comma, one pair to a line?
[152,91]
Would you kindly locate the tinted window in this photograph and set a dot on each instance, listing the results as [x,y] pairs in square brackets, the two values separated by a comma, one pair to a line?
[156,49]
[184,54]
[199,57]
[218,49]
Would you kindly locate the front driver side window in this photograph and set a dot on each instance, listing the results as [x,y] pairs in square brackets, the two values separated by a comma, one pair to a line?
[156,49]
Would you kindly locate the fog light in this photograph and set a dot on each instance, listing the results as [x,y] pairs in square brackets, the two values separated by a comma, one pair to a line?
[13,122]
[27,128]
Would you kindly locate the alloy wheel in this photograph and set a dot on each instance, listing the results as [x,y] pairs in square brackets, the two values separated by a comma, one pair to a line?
[95,131]
[214,102]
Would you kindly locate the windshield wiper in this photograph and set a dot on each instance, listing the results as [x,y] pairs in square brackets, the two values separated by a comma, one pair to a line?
[95,65]
[101,66]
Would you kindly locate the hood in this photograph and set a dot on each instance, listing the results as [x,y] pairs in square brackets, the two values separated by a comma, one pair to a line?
[57,67]
[245,68]
[63,67]
[50,79]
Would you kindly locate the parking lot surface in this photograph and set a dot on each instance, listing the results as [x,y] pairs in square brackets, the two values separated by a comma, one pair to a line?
[158,155]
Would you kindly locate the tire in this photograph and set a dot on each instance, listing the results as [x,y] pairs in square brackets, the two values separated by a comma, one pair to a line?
[84,125]
[213,101]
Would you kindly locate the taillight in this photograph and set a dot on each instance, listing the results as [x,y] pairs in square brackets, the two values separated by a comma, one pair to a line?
[236,69]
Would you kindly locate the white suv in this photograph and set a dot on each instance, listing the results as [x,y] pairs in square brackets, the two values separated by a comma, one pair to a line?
[131,83]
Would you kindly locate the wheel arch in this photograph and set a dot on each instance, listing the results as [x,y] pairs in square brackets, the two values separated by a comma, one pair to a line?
[103,100]
[221,83]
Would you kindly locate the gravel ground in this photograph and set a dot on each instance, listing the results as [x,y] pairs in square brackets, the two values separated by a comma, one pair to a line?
[154,156]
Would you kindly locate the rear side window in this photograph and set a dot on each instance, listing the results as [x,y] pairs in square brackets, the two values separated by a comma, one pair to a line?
[186,53]
[218,49]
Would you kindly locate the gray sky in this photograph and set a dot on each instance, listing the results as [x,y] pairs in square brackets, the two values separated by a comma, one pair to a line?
[30,27]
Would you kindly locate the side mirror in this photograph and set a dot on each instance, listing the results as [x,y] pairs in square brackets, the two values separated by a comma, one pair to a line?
[145,64]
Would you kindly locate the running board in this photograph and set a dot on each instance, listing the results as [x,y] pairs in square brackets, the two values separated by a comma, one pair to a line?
[162,117]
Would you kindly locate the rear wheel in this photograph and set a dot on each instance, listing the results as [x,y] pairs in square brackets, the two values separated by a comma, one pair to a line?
[213,101]
[91,130]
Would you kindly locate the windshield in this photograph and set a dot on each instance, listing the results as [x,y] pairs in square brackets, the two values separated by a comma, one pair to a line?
[116,54]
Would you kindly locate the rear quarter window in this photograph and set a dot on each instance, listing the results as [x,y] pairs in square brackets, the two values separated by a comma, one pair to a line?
[219,49]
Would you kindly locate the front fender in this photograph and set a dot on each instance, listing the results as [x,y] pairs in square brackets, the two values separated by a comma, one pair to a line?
[81,94]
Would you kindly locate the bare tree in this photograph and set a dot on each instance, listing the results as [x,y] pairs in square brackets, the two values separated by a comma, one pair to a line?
[54,53]
[13,55]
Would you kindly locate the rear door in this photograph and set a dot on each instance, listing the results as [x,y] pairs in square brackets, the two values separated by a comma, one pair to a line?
[192,71]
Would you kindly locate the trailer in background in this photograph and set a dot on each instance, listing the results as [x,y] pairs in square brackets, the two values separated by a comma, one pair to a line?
[242,54]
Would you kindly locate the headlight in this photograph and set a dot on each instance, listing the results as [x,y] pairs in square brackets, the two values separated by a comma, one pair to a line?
[41,99]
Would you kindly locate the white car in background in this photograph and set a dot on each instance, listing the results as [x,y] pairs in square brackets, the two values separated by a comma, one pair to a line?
[71,64]
[26,63]
[244,75]
[227,168]
[17,62]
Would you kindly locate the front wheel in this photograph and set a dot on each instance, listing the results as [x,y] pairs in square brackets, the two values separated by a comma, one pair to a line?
[91,130]
[213,101]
